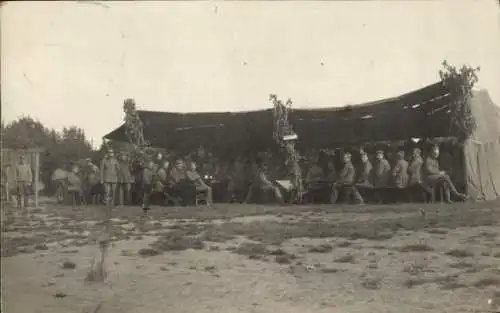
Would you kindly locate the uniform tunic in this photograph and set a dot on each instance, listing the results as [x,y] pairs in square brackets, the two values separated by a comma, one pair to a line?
[415,171]
[365,172]
[400,173]
[110,170]
[124,173]
[381,173]
[347,174]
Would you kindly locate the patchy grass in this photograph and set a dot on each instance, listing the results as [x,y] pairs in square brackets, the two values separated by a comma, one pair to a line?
[348,258]
[148,252]
[284,259]
[416,248]
[177,241]
[251,249]
[68,265]
[323,248]
[442,280]
[437,231]
[372,283]
[462,265]
[258,251]
[329,270]
[381,227]
[414,269]
[453,286]
[459,253]
[372,266]
[486,282]
[344,244]
[41,246]
[216,234]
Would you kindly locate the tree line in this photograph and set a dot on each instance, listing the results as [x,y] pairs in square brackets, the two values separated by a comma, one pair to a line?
[61,148]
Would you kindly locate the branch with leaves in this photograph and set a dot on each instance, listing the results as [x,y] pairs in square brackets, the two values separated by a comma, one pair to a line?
[134,132]
[459,82]
[283,128]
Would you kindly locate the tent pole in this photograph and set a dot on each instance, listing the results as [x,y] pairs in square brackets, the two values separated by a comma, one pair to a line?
[464,166]
[37,174]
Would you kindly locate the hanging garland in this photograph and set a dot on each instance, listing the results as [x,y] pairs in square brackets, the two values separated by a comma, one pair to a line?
[134,131]
[283,134]
[460,83]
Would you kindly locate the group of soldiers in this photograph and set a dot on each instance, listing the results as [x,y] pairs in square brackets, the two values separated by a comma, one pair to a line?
[417,172]
[179,181]
[117,179]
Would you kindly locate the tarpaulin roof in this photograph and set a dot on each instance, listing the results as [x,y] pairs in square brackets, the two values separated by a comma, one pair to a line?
[421,113]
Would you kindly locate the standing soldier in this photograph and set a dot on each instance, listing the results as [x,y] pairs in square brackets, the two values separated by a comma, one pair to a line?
[125,180]
[147,181]
[91,180]
[24,177]
[109,177]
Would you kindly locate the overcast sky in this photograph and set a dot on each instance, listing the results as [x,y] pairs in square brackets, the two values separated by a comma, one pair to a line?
[69,63]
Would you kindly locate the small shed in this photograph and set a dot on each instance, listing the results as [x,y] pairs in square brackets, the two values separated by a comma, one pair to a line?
[32,157]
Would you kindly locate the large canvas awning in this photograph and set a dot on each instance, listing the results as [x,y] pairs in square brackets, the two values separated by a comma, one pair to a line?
[420,113]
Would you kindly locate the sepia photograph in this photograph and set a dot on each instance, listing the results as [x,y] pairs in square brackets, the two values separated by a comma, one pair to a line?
[250,156]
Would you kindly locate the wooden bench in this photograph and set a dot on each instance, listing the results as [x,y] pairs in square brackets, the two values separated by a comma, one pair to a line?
[391,194]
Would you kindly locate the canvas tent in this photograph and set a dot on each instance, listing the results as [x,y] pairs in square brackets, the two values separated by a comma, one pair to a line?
[422,113]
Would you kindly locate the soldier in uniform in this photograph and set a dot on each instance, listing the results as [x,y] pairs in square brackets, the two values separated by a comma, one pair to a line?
[435,176]
[24,177]
[345,180]
[415,168]
[364,175]
[109,177]
[125,180]
[400,171]
[382,170]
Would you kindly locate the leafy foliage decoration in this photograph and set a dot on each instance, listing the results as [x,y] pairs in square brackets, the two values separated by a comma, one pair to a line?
[282,128]
[134,131]
[459,82]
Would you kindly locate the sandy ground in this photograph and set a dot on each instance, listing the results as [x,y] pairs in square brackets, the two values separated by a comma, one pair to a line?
[426,266]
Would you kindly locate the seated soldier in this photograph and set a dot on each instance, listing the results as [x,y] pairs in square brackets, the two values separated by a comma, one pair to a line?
[434,176]
[163,184]
[400,171]
[261,182]
[381,171]
[346,181]
[179,182]
[315,175]
[364,175]
[198,182]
